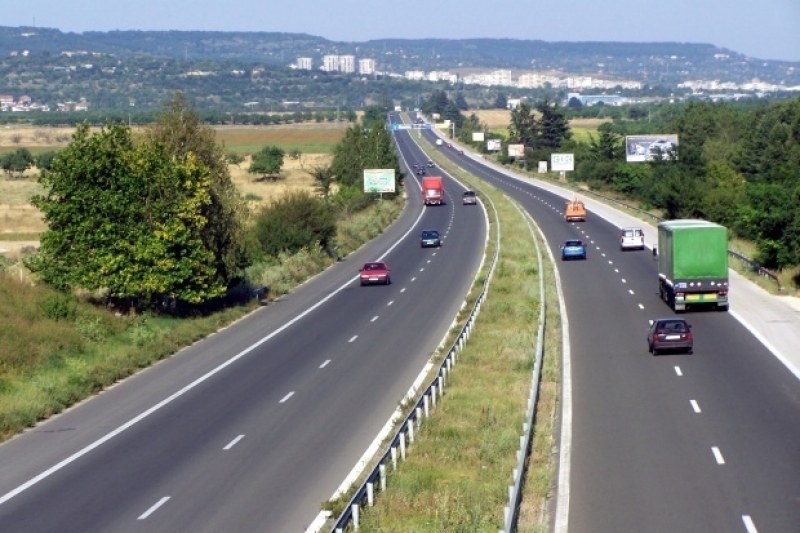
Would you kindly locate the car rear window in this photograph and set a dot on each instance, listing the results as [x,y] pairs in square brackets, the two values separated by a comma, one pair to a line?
[469,193]
[675,327]
[573,243]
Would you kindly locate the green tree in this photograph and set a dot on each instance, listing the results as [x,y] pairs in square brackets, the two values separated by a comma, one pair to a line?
[126,219]
[323,180]
[293,222]
[179,129]
[553,126]
[234,158]
[501,101]
[267,162]
[523,127]
[461,102]
[44,161]
[17,162]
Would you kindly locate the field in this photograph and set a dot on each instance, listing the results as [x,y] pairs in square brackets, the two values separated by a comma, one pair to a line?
[497,121]
[21,223]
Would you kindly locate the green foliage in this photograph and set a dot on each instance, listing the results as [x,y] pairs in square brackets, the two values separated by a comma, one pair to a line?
[293,222]
[267,162]
[522,128]
[59,306]
[553,127]
[323,180]
[44,161]
[17,162]
[362,148]
[501,101]
[234,158]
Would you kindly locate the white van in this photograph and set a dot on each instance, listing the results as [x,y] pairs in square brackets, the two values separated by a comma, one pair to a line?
[631,239]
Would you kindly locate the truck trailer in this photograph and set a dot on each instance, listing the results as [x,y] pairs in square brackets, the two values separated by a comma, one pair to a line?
[693,264]
[575,211]
[432,190]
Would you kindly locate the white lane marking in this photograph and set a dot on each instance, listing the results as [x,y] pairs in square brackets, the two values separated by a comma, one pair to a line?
[422,269]
[403,289]
[616,270]
[695,406]
[641,306]
[748,524]
[285,398]
[175,395]
[326,363]
[630,291]
[354,337]
[414,279]
[154,508]
[602,254]
[233,443]
[624,280]
[429,260]
[390,302]
[434,253]
[718,455]
[678,371]
[374,318]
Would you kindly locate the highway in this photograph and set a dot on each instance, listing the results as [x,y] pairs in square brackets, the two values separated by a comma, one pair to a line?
[254,427]
[693,443]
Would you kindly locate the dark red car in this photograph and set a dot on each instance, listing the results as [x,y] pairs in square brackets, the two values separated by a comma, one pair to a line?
[670,334]
[374,272]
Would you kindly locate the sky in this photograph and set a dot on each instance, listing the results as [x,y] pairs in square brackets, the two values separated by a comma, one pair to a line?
[763,29]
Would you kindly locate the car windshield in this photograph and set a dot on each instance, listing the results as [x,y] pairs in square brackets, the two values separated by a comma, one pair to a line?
[430,234]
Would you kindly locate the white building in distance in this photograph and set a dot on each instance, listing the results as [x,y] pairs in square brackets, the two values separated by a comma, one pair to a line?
[330,63]
[366,66]
[347,64]
[303,63]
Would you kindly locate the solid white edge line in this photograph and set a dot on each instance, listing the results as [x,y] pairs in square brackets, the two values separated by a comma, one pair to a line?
[172,397]
[718,455]
[749,525]
[154,508]
[788,364]
[233,443]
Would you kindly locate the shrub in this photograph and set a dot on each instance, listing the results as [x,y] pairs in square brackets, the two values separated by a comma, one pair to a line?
[293,222]
[59,306]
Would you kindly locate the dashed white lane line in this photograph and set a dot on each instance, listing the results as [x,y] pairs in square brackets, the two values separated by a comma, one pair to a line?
[403,289]
[154,508]
[748,524]
[630,291]
[695,406]
[374,318]
[641,306]
[354,337]
[429,260]
[616,270]
[678,371]
[414,279]
[422,269]
[602,254]
[286,398]
[624,280]
[390,303]
[718,455]
[326,363]
[233,443]
[434,253]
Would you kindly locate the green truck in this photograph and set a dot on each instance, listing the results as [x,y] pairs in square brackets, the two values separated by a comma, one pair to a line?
[693,264]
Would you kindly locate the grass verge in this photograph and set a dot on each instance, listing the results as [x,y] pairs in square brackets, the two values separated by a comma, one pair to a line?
[456,475]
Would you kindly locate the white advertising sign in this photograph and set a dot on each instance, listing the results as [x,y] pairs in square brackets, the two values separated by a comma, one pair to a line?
[516,150]
[493,145]
[477,136]
[645,147]
[542,167]
[562,162]
[379,180]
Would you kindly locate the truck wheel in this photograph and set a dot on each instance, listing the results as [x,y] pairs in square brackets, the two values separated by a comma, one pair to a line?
[722,308]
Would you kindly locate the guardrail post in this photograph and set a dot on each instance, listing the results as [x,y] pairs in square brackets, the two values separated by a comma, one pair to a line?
[419,416]
[507,517]
[403,446]
[441,385]
[425,402]
[370,495]
[382,475]
[394,457]
[410,430]
[354,509]
[433,395]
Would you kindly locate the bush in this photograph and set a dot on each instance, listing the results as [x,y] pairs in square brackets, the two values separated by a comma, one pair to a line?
[59,307]
[293,222]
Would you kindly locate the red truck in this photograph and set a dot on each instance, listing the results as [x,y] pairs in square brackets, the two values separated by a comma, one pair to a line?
[432,190]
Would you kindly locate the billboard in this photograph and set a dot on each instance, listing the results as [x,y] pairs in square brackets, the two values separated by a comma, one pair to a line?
[516,150]
[646,147]
[542,167]
[493,145]
[562,162]
[379,180]
[477,136]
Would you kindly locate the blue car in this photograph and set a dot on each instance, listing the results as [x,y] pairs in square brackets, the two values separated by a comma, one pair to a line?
[573,249]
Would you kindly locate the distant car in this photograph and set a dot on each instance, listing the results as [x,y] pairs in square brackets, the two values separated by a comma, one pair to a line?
[430,163]
[573,249]
[469,198]
[461,152]
[439,142]
[449,145]
[670,334]
[631,239]
[374,272]
[420,171]
[430,238]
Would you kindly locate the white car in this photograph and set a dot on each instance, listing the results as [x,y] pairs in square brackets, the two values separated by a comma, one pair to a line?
[631,239]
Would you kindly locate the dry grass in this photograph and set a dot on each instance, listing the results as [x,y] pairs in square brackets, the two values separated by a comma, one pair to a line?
[295,176]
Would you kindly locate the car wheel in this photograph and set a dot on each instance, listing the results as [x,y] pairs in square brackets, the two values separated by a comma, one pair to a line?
[654,351]
[690,351]
[388,280]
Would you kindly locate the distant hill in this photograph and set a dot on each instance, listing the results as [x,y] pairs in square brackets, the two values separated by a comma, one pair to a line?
[665,63]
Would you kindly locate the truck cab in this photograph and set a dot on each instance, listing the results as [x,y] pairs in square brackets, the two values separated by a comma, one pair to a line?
[575,211]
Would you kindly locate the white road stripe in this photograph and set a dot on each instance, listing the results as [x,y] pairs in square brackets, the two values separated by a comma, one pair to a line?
[154,508]
[232,443]
[641,306]
[374,318]
[748,524]
[678,371]
[390,302]
[695,406]
[414,279]
[630,291]
[718,455]
[326,363]
[403,289]
[354,337]
[624,280]
[285,398]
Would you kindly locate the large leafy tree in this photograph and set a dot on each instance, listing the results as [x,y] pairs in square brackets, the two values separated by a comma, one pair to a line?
[523,128]
[267,162]
[553,126]
[179,129]
[362,148]
[127,219]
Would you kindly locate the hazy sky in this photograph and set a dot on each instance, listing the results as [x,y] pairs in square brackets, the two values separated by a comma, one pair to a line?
[765,29]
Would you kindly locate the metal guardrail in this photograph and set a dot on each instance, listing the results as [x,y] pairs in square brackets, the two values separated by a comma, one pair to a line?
[364,495]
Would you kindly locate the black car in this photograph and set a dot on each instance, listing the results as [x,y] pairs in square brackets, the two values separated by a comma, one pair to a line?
[420,171]
[430,163]
[670,334]
[430,238]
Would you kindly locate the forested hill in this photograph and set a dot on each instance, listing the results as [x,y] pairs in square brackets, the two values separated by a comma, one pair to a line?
[656,63]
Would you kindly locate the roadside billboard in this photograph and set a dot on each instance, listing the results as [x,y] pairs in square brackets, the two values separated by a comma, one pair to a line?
[562,162]
[477,136]
[379,180]
[646,147]
[493,145]
[516,150]
[542,167]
